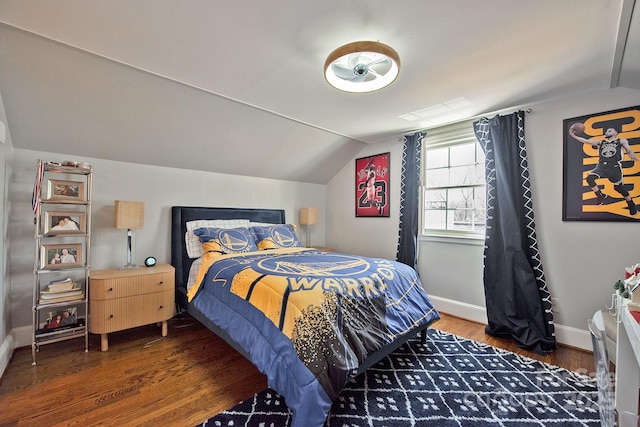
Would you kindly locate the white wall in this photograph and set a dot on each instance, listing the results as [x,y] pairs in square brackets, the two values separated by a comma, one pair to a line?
[368,236]
[581,260]
[6,154]
[159,188]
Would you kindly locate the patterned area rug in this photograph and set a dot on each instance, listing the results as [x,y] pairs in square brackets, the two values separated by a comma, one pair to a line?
[448,381]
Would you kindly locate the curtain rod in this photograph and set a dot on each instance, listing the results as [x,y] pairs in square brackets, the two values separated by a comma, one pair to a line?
[491,113]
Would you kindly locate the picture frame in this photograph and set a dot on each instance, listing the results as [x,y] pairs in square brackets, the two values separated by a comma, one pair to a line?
[60,320]
[580,158]
[372,185]
[64,222]
[61,256]
[67,191]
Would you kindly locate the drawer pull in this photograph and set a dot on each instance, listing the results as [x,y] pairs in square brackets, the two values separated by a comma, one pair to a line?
[111,316]
[161,307]
[110,289]
[161,282]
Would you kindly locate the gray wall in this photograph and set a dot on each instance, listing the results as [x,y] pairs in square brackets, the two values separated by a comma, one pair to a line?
[159,188]
[581,259]
[6,154]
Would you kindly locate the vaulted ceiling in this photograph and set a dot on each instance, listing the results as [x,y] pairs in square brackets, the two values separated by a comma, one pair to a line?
[237,87]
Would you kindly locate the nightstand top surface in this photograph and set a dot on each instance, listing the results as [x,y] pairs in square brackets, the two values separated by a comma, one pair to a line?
[130,272]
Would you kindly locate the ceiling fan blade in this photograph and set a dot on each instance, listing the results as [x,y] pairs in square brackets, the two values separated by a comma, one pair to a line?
[374,74]
[383,60]
[343,73]
[371,76]
[380,68]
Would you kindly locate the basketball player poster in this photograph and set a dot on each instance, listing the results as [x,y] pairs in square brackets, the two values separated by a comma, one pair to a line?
[601,176]
[372,186]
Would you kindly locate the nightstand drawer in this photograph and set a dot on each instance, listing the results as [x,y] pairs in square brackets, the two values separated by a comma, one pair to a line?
[122,287]
[130,312]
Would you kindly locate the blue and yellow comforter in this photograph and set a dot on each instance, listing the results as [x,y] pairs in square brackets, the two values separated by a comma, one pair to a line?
[308,318]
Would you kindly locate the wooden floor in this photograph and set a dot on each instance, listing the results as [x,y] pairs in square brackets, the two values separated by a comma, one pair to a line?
[180,380]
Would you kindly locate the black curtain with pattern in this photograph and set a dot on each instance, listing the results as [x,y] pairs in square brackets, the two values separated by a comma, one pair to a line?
[517,299]
[407,252]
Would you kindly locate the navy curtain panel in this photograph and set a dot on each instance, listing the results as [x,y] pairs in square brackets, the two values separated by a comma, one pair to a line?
[407,252]
[517,299]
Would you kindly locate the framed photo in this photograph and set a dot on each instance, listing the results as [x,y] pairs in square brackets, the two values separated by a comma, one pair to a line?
[58,320]
[64,223]
[65,190]
[601,176]
[61,256]
[372,186]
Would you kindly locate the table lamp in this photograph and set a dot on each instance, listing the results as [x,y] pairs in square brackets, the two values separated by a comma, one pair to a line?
[308,217]
[129,216]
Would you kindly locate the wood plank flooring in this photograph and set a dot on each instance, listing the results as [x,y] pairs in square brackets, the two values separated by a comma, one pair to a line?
[146,380]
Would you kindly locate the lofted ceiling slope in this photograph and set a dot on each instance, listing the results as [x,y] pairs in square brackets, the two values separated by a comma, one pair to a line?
[237,87]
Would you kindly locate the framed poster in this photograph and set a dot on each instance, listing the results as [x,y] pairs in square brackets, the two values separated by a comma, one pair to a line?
[372,186]
[601,175]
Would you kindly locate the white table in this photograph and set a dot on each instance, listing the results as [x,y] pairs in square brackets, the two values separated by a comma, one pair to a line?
[627,367]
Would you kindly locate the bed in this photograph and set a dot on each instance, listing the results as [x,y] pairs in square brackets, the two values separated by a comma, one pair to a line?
[309,319]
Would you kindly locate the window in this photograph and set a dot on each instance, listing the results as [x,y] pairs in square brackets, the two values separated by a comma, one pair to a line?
[453,182]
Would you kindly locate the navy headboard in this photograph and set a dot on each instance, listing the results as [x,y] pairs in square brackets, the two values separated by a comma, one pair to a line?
[180,215]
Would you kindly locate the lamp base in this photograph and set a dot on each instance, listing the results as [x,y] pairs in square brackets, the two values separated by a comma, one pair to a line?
[129,263]
[127,266]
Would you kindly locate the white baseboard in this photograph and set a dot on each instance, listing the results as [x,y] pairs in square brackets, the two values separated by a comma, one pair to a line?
[565,335]
[6,351]
[471,312]
[18,337]
[22,336]
[574,337]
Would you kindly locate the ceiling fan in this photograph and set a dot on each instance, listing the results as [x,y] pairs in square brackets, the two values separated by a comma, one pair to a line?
[362,67]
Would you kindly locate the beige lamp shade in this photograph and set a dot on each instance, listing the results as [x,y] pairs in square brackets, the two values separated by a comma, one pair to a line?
[308,216]
[129,215]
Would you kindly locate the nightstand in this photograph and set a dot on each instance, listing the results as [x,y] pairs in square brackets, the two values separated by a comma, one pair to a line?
[322,248]
[123,299]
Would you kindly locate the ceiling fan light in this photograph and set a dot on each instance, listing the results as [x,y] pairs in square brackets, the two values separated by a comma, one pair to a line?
[363,66]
